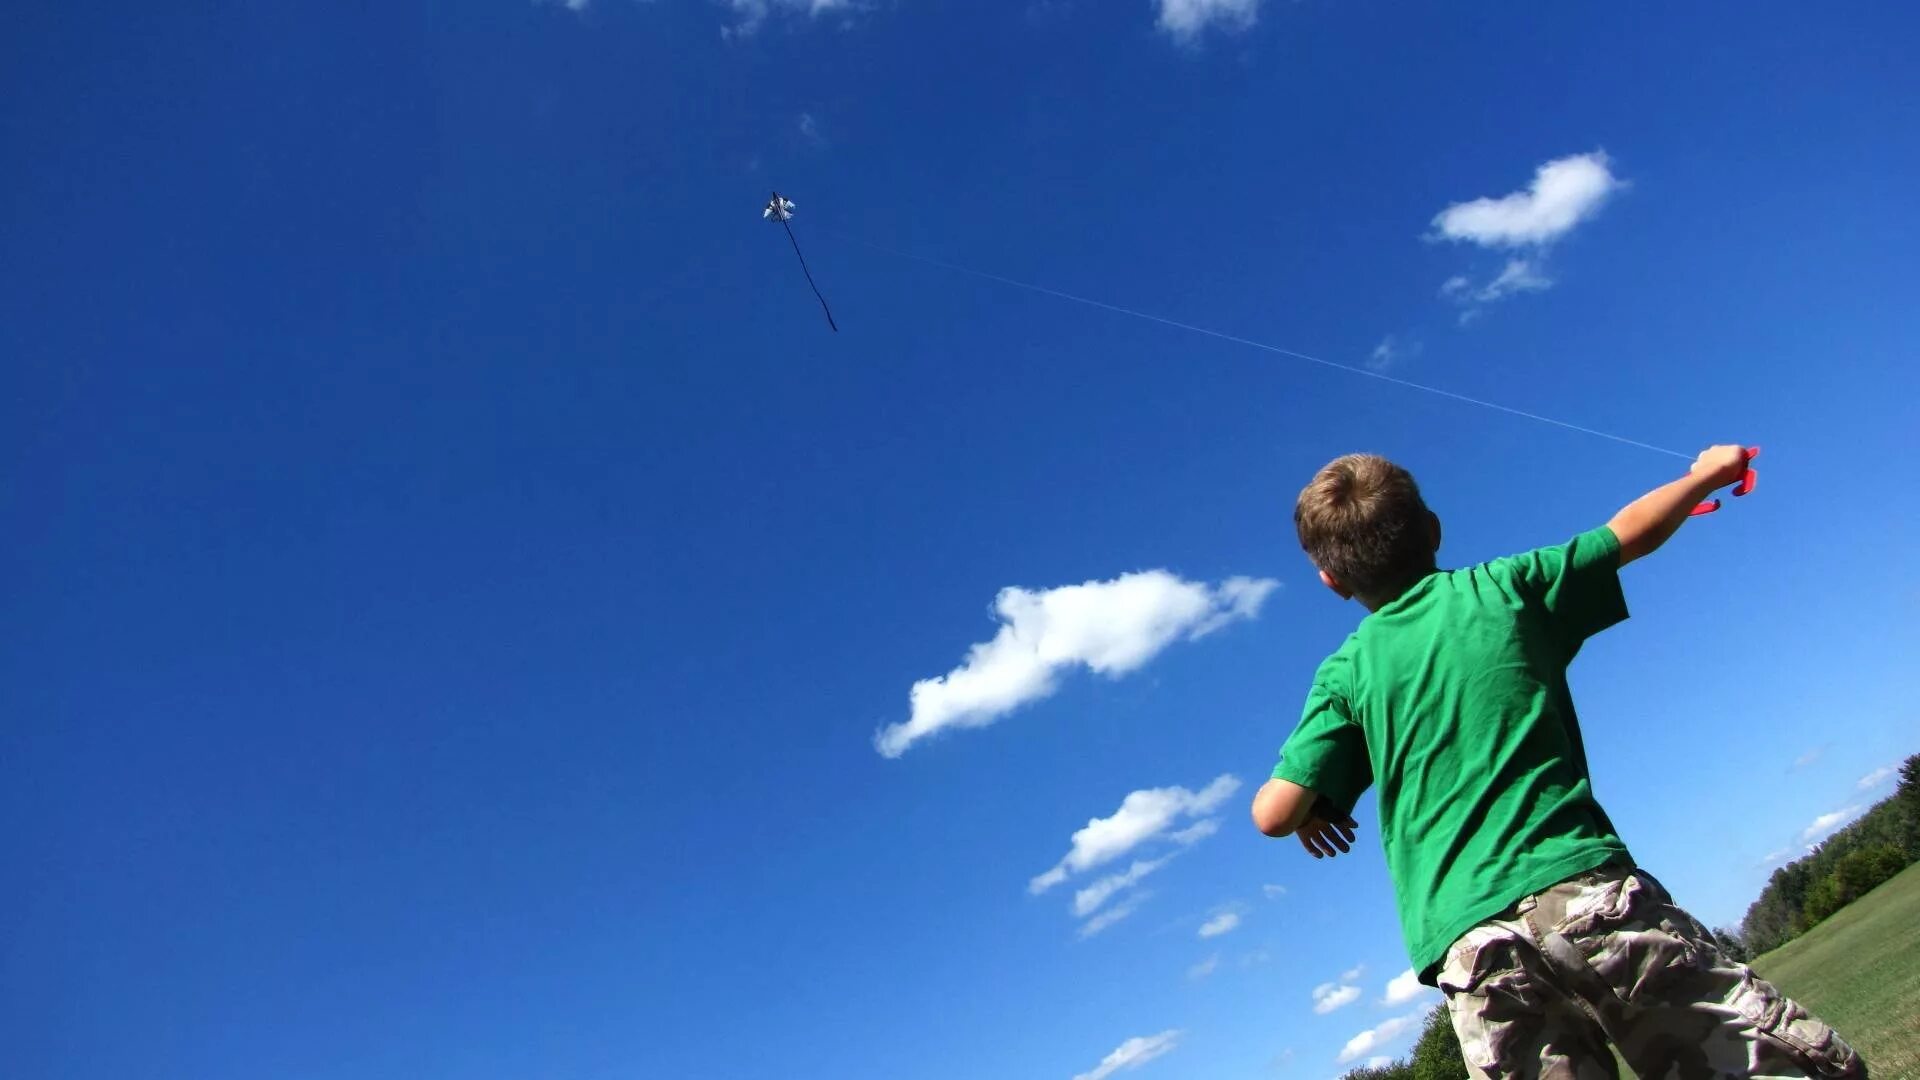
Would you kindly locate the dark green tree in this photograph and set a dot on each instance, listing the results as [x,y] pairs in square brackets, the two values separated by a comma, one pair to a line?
[1437,1055]
[1907,801]
[1396,1071]
[1852,877]
[1822,900]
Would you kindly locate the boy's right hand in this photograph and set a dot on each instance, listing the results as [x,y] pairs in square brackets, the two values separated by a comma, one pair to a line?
[1320,836]
[1721,465]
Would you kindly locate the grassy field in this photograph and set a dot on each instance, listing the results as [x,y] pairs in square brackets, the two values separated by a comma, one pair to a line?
[1860,972]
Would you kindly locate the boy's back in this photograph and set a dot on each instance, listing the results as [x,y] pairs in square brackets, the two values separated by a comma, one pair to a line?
[1452,700]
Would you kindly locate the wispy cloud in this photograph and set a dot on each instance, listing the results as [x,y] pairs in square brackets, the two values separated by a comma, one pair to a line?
[1256,958]
[1328,996]
[1379,1061]
[1564,193]
[570,5]
[1403,988]
[1274,892]
[1144,816]
[1185,20]
[1204,968]
[1109,627]
[1776,856]
[1196,832]
[1807,757]
[1089,899]
[1353,973]
[1134,1053]
[1519,275]
[1375,1038]
[1112,915]
[1875,778]
[1393,349]
[809,127]
[750,15]
[1826,823]
[1223,923]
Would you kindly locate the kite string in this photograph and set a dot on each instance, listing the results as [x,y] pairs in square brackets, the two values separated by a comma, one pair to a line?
[1249,342]
[785,224]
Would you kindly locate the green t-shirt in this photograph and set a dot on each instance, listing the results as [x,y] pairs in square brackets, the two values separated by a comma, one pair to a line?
[1453,700]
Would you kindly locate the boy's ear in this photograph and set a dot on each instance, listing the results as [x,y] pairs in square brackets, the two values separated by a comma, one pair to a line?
[1338,589]
[1433,529]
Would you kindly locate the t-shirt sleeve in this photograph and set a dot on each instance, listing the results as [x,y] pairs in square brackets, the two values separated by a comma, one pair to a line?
[1577,585]
[1327,752]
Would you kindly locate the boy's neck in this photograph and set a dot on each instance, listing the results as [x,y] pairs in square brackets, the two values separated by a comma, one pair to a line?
[1375,603]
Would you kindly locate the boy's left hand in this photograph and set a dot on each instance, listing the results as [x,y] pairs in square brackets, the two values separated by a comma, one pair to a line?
[1321,837]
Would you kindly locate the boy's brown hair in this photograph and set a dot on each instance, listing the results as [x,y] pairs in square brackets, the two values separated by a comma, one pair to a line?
[1362,520]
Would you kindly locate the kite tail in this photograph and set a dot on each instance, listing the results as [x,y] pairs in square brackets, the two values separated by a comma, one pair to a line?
[803,269]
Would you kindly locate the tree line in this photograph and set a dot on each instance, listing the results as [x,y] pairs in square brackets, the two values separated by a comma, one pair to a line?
[1876,846]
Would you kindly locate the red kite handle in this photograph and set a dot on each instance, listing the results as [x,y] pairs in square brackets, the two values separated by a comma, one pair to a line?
[1747,481]
[1749,478]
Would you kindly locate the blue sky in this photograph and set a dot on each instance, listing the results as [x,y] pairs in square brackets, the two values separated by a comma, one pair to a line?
[456,580]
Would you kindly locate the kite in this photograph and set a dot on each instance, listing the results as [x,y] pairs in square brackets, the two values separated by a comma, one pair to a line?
[780,209]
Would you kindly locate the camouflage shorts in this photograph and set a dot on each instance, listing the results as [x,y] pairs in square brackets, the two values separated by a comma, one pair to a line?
[1606,958]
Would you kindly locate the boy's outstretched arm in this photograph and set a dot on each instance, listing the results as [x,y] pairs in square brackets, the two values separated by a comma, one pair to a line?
[1284,808]
[1651,520]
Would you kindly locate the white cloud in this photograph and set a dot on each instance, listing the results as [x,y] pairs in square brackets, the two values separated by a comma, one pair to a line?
[1112,915]
[1255,958]
[1403,988]
[1133,1053]
[809,126]
[1353,973]
[1328,997]
[1376,1037]
[1185,19]
[1048,880]
[1518,276]
[1204,968]
[1196,832]
[1773,857]
[1111,627]
[1143,816]
[570,5]
[1875,778]
[1807,758]
[1220,924]
[1564,193]
[749,15]
[1826,823]
[1393,348]
[1379,1061]
[1274,892]
[1089,899]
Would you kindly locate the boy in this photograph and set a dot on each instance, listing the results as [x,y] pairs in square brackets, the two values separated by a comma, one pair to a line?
[1516,896]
